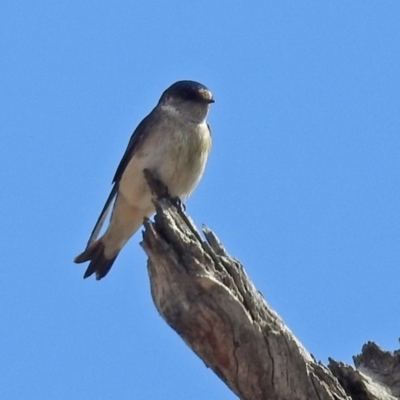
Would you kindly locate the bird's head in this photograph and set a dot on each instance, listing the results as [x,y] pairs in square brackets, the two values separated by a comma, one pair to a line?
[189,100]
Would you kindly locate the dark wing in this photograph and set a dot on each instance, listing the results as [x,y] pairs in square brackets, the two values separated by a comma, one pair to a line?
[134,143]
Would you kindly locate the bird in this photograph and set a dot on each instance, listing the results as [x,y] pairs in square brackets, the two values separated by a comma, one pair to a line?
[173,143]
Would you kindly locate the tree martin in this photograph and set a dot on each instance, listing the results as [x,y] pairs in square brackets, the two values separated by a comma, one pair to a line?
[173,143]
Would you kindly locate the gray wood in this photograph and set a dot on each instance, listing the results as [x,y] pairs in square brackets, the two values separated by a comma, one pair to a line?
[205,295]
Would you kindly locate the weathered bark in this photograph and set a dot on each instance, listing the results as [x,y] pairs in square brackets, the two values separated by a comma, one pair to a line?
[206,297]
[377,374]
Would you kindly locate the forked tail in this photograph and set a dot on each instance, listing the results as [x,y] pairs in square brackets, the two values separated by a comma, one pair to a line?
[99,263]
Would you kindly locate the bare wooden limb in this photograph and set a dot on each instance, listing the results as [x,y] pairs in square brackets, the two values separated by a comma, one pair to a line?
[382,366]
[377,375]
[205,295]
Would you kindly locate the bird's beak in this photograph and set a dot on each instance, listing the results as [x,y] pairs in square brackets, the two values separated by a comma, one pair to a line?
[211,101]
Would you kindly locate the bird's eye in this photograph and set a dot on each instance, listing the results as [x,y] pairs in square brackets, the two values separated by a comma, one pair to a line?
[191,95]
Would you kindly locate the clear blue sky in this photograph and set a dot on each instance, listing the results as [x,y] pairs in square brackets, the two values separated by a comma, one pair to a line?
[302,184]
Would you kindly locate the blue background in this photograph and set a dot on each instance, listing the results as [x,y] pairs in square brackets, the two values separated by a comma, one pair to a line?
[302,184]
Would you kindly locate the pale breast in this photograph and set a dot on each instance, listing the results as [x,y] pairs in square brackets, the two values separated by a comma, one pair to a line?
[176,152]
[189,156]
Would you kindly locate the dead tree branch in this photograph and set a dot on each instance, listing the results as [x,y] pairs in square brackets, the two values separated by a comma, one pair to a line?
[205,295]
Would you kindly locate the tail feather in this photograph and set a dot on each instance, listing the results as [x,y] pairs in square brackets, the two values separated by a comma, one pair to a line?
[99,263]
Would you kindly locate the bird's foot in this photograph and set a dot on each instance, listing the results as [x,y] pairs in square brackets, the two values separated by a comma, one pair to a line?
[178,203]
[157,187]
[161,190]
